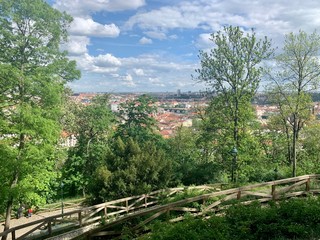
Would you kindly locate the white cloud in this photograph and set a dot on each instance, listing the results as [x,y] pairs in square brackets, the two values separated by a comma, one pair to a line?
[106,60]
[87,7]
[154,72]
[272,18]
[156,34]
[128,78]
[145,40]
[204,42]
[174,36]
[138,71]
[77,45]
[87,27]
[101,64]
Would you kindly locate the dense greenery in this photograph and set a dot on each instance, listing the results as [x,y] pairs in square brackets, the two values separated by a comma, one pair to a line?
[121,154]
[298,73]
[232,70]
[33,74]
[292,219]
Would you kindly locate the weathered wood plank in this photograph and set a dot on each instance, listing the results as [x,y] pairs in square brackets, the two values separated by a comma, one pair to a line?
[31,231]
[258,194]
[92,213]
[148,220]
[288,188]
[184,209]
[216,203]
[311,182]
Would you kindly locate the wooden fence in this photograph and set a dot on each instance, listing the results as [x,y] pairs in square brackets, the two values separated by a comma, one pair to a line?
[98,220]
[93,215]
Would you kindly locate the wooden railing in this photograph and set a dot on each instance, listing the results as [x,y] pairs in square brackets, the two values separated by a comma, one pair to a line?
[218,201]
[90,217]
[99,219]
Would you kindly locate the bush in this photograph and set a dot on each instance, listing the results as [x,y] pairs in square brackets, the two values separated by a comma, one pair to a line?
[291,219]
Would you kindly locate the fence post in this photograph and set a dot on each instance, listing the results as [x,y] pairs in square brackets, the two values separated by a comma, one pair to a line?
[308,185]
[13,234]
[80,218]
[127,206]
[239,194]
[105,211]
[273,192]
[145,201]
[49,228]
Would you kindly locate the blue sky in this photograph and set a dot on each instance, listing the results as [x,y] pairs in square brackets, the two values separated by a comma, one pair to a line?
[152,45]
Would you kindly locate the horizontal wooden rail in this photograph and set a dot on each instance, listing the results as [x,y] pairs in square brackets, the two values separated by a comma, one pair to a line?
[118,211]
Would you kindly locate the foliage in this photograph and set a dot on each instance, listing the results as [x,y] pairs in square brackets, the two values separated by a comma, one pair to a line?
[290,219]
[189,162]
[132,170]
[309,157]
[232,72]
[33,73]
[297,73]
[136,161]
[190,229]
[136,119]
[93,127]
[216,140]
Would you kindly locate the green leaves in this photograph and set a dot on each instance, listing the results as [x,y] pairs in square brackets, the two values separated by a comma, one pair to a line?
[298,73]
[136,119]
[232,70]
[33,73]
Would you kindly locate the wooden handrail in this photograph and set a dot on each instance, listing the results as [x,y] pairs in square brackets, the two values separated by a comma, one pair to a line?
[139,202]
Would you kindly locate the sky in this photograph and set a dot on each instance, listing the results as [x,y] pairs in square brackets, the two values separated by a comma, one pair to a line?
[153,45]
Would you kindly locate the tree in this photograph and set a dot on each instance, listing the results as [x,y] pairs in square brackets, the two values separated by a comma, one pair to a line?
[189,164]
[232,70]
[136,161]
[33,73]
[93,127]
[297,73]
[132,167]
[136,119]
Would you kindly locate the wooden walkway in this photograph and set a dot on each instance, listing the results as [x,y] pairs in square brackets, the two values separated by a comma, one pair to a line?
[98,220]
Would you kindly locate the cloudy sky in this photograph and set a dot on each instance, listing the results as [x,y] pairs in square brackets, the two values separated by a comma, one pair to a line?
[153,45]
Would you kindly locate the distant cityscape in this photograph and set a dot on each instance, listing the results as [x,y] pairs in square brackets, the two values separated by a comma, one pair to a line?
[179,109]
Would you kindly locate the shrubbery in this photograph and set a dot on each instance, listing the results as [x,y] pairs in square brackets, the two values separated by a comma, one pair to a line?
[291,219]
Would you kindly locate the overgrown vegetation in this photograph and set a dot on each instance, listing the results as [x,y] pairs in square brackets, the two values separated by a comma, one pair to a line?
[292,219]
[121,154]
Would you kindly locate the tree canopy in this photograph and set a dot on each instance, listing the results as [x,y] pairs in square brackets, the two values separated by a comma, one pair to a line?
[296,75]
[232,71]
[33,73]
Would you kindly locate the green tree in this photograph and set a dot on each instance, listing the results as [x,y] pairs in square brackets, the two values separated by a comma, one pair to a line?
[33,73]
[297,73]
[136,119]
[132,168]
[93,127]
[136,161]
[190,164]
[232,70]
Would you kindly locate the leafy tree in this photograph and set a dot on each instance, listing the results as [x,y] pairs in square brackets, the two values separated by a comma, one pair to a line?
[135,161]
[132,168]
[136,119]
[33,72]
[297,73]
[93,127]
[309,156]
[189,162]
[232,70]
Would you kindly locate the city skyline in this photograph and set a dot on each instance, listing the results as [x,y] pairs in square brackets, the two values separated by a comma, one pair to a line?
[152,46]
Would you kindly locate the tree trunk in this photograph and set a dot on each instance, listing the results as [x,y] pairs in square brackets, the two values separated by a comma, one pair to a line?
[294,147]
[236,142]
[8,216]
